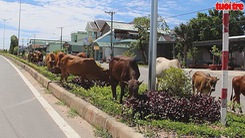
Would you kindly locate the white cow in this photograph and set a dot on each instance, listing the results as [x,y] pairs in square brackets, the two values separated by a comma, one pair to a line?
[163,64]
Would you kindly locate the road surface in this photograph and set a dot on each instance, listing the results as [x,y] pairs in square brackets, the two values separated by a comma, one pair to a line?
[24,113]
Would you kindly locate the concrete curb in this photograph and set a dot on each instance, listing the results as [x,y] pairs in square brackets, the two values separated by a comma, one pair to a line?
[87,111]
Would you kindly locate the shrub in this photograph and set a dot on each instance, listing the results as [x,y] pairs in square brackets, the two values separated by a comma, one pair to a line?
[176,82]
[161,105]
[87,84]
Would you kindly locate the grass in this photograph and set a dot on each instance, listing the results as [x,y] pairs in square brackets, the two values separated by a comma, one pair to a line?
[72,113]
[61,103]
[102,133]
[102,98]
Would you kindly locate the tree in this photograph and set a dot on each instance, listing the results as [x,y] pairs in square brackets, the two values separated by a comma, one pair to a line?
[143,26]
[184,40]
[13,44]
[216,53]
[192,54]
[208,26]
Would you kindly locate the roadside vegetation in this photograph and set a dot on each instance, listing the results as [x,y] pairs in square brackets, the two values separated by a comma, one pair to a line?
[158,112]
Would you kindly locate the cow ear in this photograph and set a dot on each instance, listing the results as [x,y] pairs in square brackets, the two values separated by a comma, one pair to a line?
[140,82]
[208,81]
[217,78]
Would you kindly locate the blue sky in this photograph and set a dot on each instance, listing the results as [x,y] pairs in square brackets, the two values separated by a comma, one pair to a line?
[43,17]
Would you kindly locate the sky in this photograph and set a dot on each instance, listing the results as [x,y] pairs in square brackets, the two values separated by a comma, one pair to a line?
[43,19]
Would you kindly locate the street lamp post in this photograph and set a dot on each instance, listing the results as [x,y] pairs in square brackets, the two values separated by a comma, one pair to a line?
[112,50]
[19,29]
[34,42]
[61,28]
[4,20]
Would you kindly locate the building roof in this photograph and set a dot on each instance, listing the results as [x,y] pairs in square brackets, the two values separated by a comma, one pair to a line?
[232,40]
[122,26]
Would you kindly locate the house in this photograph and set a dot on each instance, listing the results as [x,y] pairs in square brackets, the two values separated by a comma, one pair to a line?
[122,35]
[236,51]
[74,46]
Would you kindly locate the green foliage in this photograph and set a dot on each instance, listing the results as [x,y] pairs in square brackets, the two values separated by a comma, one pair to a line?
[216,52]
[192,54]
[72,113]
[15,52]
[176,82]
[143,26]
[208,26]
[129,53]
[102,133]
[184,39]
[13,44]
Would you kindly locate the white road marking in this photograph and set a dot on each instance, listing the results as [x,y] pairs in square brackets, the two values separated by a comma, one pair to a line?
[69,132]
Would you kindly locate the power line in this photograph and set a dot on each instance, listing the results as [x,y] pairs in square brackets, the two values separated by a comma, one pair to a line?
[188,13]
[194,11]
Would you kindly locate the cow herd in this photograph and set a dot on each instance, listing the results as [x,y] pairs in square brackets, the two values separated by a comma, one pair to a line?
[125,72]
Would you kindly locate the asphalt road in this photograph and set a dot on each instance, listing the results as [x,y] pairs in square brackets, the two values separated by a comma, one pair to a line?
[144,76]
[24,113]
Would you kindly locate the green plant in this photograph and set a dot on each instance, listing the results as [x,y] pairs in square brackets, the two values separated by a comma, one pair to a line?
[216,52]
[72,113]
[176,82]
[129,53]
[60,103]
[102,133]
[192,54]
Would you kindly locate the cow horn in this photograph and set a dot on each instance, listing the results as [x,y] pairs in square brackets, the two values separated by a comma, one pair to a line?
[125,82]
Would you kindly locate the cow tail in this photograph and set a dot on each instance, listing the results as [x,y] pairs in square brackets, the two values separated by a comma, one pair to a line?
[231,92]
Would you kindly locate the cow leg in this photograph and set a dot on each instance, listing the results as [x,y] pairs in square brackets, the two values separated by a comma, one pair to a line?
[114,84]
[236,99]
[67,75]
[193,87]
[238,102]
[122,91]
[232,104]
[62,77]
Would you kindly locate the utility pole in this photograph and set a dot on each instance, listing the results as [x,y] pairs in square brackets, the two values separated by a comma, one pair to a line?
[34,42]
[153,45]
[61,28]
[111,13]
[4,20]
[18,53]
[225,59]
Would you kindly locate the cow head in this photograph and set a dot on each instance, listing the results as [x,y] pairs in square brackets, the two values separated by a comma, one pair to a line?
[212,83]
[133,87]
[105,75]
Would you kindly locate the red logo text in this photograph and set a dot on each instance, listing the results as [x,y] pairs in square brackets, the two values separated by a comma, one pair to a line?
[229,6]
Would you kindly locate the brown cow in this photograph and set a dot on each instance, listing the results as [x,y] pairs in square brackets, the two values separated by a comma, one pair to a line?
[35,57]
[238,84]
[84,67]
[204,83]
[38,56]
[30,57]
[124,70]
[50,61]
[82,55]
[58,57]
